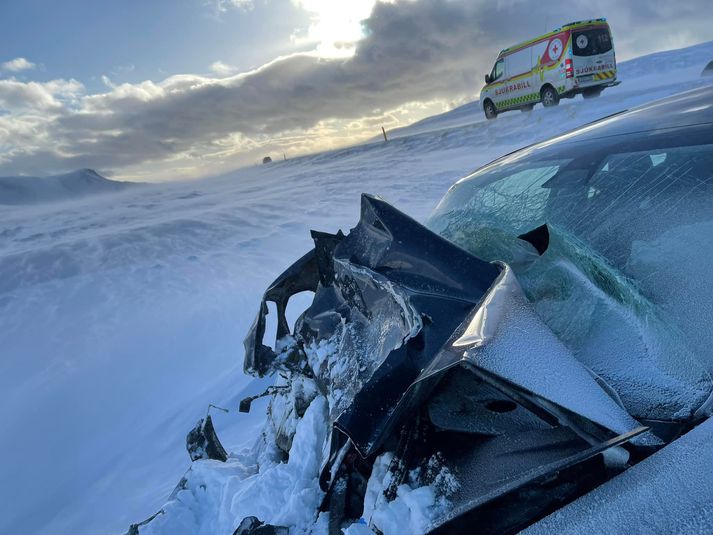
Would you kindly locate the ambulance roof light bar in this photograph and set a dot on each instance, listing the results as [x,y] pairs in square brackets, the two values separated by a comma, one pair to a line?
[603,19]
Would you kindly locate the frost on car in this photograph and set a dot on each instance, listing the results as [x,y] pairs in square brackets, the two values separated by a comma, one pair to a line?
[548,327]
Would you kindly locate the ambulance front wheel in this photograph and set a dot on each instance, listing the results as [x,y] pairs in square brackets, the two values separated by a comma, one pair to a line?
[549,96]
[491,112]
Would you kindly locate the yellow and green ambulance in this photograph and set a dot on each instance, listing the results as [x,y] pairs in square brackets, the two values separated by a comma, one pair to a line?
[575,58]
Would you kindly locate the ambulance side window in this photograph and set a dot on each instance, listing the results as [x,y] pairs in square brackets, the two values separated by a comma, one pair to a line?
[498,70]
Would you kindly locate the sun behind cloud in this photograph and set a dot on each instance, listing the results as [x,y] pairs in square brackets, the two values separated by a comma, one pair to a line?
[335,26]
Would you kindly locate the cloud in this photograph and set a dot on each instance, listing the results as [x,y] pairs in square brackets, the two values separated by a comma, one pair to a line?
[222,69]
[412,52]
[48,96]
[107,81]
[222,6]
[17,65]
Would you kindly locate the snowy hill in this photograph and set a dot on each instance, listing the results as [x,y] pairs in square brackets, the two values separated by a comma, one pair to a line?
[120,325]
[32,190]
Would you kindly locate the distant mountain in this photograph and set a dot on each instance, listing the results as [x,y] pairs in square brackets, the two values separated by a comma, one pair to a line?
[77,184]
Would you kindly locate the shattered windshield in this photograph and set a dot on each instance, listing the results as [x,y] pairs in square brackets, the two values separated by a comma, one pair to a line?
[625,275]
[617,203]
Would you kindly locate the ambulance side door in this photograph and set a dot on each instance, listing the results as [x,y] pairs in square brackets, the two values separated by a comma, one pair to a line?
[519,72]
[537,51]
[497,91]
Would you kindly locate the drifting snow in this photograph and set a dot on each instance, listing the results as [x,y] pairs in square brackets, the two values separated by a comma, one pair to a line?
[122,316]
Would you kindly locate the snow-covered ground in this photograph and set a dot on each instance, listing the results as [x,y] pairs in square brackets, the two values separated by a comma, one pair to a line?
[122,315]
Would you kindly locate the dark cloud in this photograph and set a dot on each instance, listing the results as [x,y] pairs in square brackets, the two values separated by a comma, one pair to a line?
[412,51]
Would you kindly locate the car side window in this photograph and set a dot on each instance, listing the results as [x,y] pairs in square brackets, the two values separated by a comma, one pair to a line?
[498,70]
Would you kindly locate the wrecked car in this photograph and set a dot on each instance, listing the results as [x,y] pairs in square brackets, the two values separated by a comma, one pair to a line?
[546,329]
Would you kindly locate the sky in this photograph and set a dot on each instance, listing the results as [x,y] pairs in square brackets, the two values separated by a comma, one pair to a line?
[174,89]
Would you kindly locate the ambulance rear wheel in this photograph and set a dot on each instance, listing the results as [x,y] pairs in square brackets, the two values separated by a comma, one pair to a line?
[491,112]
[549,96]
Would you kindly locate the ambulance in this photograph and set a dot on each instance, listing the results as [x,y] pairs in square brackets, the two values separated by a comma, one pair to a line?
[575,58]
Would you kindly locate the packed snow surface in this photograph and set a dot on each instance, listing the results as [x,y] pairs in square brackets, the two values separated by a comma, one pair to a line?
[122,317]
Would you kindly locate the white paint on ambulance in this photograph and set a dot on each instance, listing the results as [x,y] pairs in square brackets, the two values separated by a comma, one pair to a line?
[576,58]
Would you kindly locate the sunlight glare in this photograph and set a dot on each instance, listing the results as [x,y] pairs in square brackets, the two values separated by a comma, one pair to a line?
[335,25]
